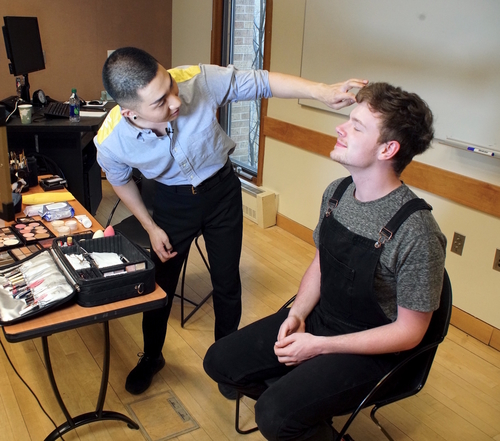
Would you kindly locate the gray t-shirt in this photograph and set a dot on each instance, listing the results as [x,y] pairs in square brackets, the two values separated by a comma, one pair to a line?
[410,270]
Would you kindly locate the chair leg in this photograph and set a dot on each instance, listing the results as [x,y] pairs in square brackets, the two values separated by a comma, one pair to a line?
[197,306]
[374,419]
[237,419]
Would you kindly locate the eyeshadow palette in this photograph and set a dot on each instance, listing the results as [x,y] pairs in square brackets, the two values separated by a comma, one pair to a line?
[18,254]
[8,239]
[24,252]
[31,231]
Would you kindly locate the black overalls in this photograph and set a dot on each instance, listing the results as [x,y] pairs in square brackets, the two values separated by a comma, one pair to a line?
[299,406]
[348,265]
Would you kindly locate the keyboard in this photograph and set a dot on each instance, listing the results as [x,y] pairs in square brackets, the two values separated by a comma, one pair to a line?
[56,110]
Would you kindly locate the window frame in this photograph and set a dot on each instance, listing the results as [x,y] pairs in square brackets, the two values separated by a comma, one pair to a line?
[219,8]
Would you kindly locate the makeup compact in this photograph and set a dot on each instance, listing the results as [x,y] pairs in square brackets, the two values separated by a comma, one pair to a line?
[31,231]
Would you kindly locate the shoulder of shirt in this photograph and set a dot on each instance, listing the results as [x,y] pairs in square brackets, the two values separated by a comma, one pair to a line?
[184,73]
[109,124]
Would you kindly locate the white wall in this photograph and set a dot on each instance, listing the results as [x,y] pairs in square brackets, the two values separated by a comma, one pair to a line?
[191,31]
[300,177]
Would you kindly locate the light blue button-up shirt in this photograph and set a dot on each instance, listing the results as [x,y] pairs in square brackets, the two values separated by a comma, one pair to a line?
[198,147]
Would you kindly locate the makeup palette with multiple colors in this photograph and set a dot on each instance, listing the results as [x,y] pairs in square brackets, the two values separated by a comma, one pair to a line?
[24,252]
[18,254]
[8,239]
[31,231]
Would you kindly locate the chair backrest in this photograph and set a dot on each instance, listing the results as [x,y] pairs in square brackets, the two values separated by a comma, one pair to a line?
[409,376]
[47,166]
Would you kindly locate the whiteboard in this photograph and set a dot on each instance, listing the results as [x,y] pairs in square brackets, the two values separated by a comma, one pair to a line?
[446,51]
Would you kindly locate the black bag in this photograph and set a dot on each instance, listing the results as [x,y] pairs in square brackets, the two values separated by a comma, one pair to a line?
[133,277]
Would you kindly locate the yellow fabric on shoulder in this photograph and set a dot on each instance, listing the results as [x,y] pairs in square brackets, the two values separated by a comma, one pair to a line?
[44,198]
[113,118]
[184,74]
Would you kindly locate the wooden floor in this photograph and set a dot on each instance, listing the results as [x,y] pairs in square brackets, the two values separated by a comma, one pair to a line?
[461,400]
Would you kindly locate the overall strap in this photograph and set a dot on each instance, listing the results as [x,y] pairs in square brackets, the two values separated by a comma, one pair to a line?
[387,233]
[339,191]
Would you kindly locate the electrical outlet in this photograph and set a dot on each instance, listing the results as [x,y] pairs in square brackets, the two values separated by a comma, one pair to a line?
[496,262]
[457,246]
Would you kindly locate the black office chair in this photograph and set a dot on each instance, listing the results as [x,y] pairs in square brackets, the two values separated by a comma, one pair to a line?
[131,228]
[405,379]
[46,165]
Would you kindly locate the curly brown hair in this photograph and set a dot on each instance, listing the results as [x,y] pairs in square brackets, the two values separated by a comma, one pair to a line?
[405,118]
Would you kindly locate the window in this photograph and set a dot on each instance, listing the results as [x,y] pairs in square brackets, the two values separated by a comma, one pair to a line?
[243,37]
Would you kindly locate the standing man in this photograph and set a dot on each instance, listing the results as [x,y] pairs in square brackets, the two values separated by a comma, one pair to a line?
[369,293]
[165,125]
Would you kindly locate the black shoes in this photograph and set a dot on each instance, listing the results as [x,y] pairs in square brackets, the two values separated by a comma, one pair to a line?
[227,391]
[141,376]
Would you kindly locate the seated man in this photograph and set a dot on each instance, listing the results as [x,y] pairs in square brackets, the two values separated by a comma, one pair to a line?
[366,297]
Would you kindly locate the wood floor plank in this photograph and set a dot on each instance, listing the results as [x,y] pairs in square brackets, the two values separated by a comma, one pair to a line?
[461,400]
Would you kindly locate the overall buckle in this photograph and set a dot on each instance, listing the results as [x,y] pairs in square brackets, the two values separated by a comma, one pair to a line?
[384,236]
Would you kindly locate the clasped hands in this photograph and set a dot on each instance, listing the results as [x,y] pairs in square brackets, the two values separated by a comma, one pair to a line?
[294,345]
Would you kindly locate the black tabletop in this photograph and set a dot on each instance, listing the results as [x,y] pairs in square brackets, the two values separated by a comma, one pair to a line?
[42,124]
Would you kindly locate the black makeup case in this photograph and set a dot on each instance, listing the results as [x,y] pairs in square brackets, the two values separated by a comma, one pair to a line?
[33,287]
[132,276]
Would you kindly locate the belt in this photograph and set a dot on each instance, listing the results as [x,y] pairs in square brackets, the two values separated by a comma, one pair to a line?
[207,184]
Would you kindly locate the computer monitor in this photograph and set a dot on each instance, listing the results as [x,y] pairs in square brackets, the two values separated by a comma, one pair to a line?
[24,48]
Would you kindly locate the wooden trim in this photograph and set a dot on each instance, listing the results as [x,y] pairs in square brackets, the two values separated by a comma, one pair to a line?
[466,191]
[295,228]
[476,328]
[216,45]
[264,102]
[472,193]
[495,339]
[310,140]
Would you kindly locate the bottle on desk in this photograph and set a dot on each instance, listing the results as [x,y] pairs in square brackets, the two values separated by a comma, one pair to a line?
[74,107]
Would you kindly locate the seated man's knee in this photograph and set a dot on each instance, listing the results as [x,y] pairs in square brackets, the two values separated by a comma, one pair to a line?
[214,359]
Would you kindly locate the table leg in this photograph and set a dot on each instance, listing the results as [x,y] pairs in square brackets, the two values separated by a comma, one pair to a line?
[90,417]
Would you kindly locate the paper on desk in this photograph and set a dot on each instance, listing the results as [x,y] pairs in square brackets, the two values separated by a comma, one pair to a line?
[43,198]
[99,114]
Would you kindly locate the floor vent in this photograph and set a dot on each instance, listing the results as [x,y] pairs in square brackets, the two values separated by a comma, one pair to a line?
[259,205]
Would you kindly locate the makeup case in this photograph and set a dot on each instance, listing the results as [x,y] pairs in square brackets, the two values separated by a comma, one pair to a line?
[32,287]
[131,276]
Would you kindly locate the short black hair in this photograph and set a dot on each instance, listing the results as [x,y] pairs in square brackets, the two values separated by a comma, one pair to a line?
[126,71]
[405,117]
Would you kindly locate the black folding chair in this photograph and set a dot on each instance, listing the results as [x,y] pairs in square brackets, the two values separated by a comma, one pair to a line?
[405,379]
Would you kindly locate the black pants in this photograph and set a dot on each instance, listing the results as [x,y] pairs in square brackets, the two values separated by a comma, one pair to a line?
[217,212]
[301,403]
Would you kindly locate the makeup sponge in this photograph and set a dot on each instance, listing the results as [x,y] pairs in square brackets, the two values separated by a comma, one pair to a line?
[109,231]
[98,234]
